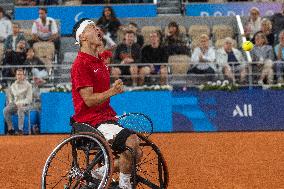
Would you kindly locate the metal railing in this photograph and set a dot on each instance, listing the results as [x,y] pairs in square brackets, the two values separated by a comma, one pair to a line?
[175,76]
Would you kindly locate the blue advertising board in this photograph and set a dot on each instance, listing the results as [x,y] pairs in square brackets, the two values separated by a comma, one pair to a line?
[69,15]
[155,104]
[243,110]
[193,111]
[230,9]
[57,108]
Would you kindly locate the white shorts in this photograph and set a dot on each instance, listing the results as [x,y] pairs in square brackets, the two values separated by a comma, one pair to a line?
[109,130]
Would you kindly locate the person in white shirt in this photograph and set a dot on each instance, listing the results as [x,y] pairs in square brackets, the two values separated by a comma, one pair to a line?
[45,29]
[5,26]
[254,23]
[20,97]
[231,62]
[203,58]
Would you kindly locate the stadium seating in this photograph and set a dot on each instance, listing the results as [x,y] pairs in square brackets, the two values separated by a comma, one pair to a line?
[219,43]
[222,31]
[73,3]
[195,31]
[45,51]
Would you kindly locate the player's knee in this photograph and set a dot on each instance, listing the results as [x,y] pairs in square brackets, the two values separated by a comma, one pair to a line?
[120,142]
[133,143]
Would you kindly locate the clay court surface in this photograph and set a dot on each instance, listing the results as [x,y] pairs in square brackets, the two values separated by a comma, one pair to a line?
[195,160]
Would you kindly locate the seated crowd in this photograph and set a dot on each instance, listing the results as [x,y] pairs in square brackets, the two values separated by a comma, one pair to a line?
[74,2]
[140,56]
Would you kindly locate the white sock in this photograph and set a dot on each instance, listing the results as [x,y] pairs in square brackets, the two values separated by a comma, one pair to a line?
[124,181]
[99,172]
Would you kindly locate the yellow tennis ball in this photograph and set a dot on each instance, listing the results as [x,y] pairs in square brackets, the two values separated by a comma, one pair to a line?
[247,46]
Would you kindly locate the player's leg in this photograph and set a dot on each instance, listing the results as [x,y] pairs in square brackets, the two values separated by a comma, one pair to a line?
[122,139]
[126,161]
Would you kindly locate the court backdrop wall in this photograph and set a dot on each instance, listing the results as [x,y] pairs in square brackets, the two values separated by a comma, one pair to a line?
[178,111]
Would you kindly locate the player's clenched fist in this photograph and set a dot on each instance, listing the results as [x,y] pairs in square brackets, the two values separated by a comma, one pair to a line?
[118,86]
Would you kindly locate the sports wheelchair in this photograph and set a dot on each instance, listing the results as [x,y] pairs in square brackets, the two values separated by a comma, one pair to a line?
[72,163]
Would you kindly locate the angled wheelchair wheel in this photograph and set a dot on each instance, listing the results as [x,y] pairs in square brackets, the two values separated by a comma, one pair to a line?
[72,163]
[151,172]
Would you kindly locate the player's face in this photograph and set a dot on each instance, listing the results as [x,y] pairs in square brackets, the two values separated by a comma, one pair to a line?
[93,35]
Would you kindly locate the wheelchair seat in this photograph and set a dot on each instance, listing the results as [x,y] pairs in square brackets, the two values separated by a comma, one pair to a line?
[83,128]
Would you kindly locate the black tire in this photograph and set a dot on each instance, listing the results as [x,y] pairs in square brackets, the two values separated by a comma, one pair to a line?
[152,170]
[71,163]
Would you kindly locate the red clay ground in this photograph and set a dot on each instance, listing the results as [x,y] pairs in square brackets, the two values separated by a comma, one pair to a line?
[195,160]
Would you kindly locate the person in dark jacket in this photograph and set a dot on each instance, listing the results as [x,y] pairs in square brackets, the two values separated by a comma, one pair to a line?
[127,54]
[153,54]
[108,22]
[12,40]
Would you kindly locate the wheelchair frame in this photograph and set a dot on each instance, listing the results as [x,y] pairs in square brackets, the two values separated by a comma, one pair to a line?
[94,141]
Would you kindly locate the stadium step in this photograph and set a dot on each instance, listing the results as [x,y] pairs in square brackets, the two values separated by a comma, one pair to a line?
[169,7]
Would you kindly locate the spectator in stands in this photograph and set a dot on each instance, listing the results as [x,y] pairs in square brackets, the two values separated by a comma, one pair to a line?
[127,54]
[45,29]
[14,58]
[175,42]
[5,26]
[139,38]
[153,53]
[203,58]
[231,61]
[254,23]
[19,101]
[262,53]
[279,52]
[109,23]
[266,28]
[38,73]
[278,23]
[12,40]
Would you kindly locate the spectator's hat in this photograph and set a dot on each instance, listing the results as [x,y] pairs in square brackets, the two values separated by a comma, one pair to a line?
[79,27]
